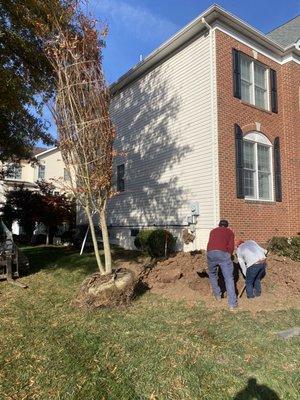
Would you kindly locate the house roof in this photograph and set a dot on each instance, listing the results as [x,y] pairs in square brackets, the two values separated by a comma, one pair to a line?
[213,13]
[44,151]
[37,150]
[286,34]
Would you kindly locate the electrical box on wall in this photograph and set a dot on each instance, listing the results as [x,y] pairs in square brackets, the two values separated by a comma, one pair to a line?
[194,208]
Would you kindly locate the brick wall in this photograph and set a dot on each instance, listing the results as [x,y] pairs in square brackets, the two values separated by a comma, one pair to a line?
[254,219]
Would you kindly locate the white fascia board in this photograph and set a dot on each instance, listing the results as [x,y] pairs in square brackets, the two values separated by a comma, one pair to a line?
[46,151]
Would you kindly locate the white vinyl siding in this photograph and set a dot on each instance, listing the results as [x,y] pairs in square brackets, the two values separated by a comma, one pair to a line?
[164,129]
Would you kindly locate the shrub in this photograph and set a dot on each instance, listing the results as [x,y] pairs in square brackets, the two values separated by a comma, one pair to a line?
[161,243]
[141,241]
[68,236]
[157,242]
[287,247]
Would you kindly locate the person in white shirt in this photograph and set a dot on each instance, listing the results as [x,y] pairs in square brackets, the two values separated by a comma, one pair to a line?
[252,260]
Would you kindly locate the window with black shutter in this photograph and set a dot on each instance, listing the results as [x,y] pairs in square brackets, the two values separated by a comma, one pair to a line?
[120,178]
[254,82]
[254,172]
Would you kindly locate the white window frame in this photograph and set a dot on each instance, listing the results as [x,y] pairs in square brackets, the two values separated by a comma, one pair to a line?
[67,177]
[12,174]
[252,82]
[38,172]
[259,139]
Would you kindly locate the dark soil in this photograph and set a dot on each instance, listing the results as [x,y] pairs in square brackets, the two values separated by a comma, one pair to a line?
[183,277]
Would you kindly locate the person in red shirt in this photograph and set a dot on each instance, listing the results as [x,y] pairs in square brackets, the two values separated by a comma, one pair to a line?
[219,251]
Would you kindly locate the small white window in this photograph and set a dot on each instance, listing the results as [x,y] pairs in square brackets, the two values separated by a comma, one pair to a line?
[258,167]
[66,175]
[41,172]
[14,171]
[254,82]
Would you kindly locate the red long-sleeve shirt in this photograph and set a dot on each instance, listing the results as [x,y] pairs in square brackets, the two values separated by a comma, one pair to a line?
[221,238]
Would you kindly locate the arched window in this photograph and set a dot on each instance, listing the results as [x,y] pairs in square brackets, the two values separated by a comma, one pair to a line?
[258,171]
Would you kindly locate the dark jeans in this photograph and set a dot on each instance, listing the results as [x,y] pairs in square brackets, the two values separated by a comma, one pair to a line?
[220,258]
[254,274]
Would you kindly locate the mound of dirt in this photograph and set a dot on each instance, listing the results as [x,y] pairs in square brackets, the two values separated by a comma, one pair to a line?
[113,290]
[183,276]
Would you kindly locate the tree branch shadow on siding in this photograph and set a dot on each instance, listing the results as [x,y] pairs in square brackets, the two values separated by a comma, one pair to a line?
[145,116]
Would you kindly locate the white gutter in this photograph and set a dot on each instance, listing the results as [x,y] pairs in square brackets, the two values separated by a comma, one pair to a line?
[46,151]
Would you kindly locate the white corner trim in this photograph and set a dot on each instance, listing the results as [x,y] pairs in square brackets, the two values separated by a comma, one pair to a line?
[214,122]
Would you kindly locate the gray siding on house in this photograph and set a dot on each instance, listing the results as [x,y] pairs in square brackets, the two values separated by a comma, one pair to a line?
[164,128]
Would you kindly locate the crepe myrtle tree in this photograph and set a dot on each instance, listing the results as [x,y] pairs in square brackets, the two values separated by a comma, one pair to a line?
[81,114]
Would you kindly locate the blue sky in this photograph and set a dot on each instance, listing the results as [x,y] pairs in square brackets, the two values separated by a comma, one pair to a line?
[139,26]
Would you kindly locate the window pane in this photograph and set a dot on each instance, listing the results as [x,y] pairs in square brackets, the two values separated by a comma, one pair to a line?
[260,82]
[264,185]
[246,79]
[14,171]
[260,97]
[260,76]
[263,158]
[248,155]
[246,69]
[246,91]
[41,172]
[66,175]
[249,183]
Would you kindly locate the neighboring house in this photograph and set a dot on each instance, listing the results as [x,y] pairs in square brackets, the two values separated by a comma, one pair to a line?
[49,166]
[209,123]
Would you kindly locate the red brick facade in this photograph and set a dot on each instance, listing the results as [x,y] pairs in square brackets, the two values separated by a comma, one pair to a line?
[256,219]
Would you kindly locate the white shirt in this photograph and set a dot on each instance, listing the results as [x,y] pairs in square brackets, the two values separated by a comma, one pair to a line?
[249,253]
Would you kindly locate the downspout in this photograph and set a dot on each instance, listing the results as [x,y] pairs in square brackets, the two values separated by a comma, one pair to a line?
[214,137]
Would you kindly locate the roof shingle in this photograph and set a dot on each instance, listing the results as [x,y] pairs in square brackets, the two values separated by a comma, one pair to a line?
[286,34]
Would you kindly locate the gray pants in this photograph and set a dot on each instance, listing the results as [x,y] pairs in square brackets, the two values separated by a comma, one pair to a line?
[222,259]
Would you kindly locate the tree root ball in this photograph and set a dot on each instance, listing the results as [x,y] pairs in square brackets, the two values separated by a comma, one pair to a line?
[114,290]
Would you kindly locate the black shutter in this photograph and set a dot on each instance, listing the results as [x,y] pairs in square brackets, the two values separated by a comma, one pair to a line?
[277,170]
[239,160]
[273,87]
[236,73]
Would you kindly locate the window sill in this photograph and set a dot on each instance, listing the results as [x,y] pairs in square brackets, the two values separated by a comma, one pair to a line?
[256,107]
[259,201]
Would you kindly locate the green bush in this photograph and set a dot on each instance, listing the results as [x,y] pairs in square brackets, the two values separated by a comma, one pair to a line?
[287,247]
[157,242]
[161,243]
[141,241]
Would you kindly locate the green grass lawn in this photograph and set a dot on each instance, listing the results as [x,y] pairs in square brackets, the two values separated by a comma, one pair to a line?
[155,349]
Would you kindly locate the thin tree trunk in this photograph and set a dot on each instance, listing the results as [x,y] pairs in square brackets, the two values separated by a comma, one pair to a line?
[106,244]
[94,238]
